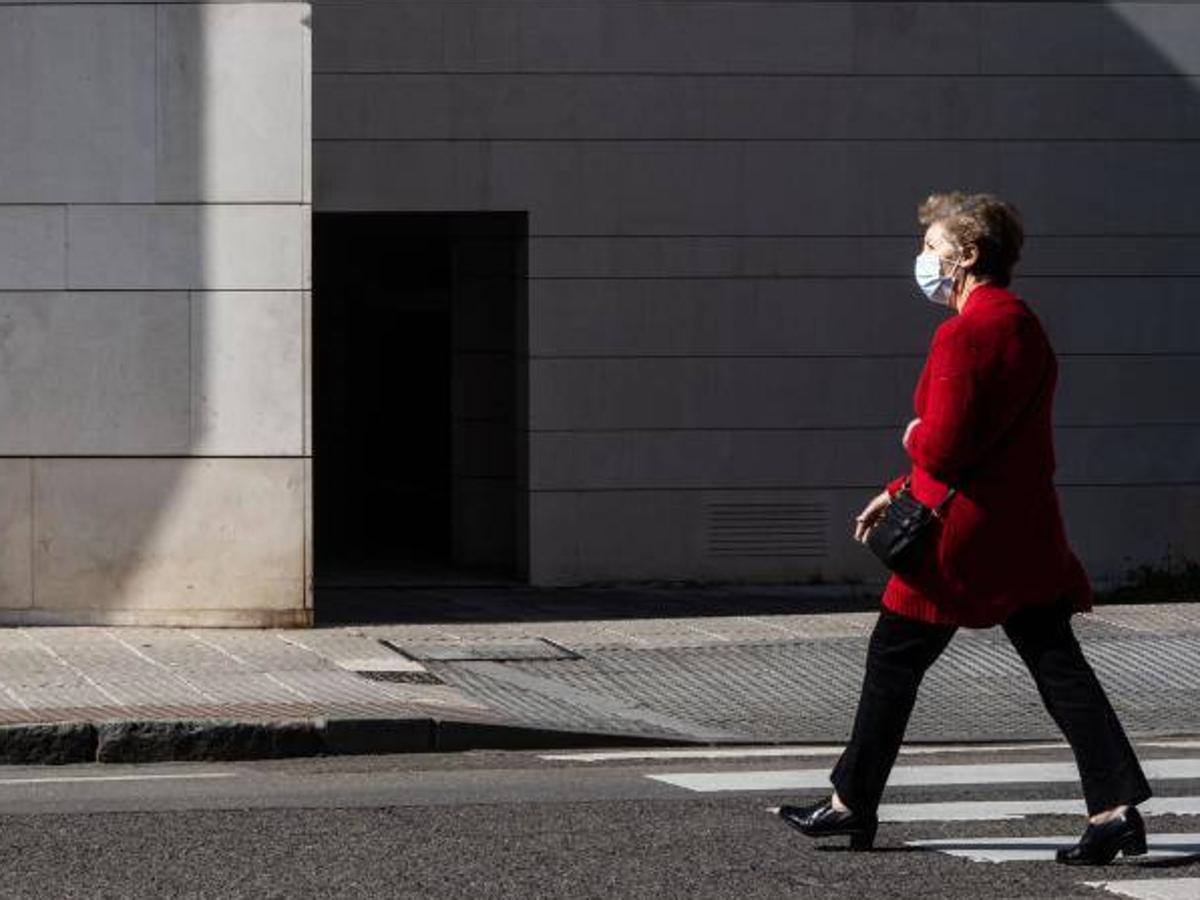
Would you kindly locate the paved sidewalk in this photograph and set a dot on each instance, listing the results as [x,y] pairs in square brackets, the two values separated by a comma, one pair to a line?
[116,694]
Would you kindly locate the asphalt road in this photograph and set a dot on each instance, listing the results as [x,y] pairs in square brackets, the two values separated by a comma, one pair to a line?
[522,825]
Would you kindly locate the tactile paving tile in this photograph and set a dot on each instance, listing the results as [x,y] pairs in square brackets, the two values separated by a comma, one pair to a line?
[787,691]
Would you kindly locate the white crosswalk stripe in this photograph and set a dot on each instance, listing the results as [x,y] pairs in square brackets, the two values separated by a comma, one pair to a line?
[1011,810]
[1032,849]
[1152,888]
[817,750]
[906,776]
[734,753]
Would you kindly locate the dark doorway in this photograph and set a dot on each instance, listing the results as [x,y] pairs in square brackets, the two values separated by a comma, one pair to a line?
[418,398]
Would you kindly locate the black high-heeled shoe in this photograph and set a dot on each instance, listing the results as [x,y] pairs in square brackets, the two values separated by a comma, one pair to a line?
[1101,843]
[822,820]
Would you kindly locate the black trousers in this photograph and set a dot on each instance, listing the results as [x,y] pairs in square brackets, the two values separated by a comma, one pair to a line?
[902,649]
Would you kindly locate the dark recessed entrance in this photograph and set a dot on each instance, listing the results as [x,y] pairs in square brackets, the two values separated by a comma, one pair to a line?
[418,398]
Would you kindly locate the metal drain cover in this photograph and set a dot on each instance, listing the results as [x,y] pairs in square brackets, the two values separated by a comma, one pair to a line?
[480,651]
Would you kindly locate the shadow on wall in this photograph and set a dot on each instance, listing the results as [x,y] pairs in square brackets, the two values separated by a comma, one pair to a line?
[721,198]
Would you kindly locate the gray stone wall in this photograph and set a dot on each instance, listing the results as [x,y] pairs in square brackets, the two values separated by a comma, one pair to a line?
[723,333]
[154,208]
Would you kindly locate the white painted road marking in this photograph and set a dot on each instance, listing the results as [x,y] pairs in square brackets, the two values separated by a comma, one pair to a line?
[767,752]
[902,776]
[73,779]
[725,753]
[1039,849]
[1152,888]
[803,750]
[1011,810]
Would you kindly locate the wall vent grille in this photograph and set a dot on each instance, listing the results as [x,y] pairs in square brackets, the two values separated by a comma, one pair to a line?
[767,529]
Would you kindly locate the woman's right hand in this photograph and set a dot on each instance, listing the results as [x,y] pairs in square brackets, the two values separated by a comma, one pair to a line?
[866,520]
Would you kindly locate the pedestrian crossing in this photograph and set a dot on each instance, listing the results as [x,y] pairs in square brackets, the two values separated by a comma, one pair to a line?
[1176,847]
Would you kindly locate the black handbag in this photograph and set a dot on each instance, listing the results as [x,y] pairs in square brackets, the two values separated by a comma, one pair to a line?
[903,529]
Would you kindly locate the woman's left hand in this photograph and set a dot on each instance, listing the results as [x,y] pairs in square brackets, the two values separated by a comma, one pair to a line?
[866,519]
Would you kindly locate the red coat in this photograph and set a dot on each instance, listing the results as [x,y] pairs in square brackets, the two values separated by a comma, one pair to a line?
[984,400]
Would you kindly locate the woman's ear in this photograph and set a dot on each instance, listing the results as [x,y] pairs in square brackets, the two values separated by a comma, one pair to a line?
[970,256]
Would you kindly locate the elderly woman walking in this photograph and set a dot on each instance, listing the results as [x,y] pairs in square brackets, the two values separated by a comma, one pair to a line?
[982,455]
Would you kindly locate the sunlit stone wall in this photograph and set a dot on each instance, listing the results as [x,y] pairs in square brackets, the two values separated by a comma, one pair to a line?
[154,209]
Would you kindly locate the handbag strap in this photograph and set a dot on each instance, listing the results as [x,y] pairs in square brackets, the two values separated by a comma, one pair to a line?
[936,510]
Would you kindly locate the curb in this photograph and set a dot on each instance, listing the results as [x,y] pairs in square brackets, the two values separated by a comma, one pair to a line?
[197,740]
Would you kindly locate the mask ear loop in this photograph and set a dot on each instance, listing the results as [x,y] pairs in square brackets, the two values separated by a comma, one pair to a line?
[955,272]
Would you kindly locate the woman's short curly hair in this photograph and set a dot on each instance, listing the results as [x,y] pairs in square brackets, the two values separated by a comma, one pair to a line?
[983,220]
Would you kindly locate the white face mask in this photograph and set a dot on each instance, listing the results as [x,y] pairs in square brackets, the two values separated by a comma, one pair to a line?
[928,272]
